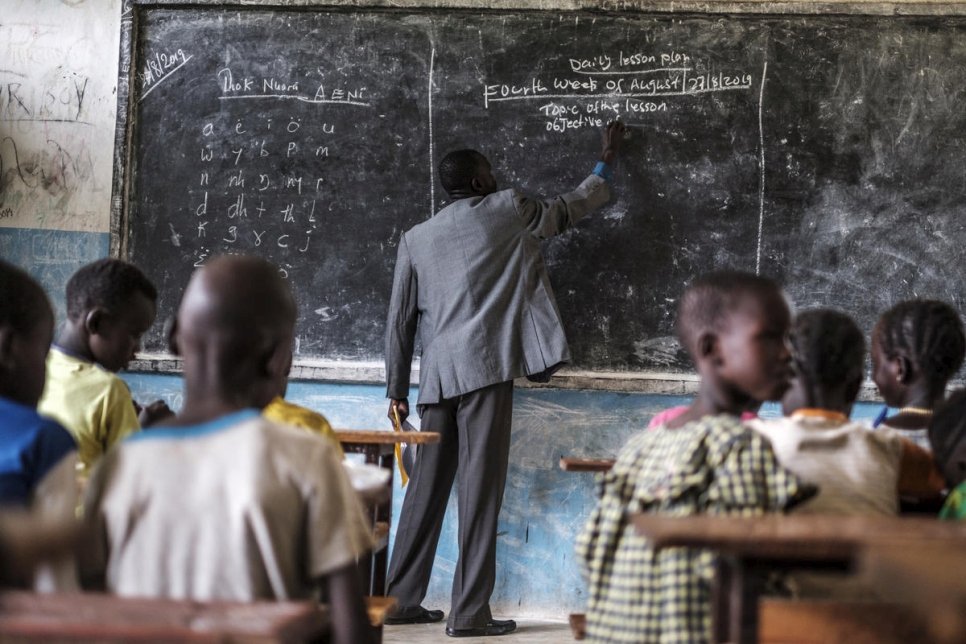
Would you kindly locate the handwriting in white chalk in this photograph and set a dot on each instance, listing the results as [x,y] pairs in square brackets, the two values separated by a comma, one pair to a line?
[250,87]
[158,67]
[589,92]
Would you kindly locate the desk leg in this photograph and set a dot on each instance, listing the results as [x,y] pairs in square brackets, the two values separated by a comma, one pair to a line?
[366,564]
[380,559]
[734,601]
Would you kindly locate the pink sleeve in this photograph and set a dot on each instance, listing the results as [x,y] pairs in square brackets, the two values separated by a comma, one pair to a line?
[664,417]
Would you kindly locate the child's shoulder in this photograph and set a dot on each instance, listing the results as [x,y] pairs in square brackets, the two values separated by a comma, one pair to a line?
[288,438]
[24,425]
[288,413]
[711,431]
[62,366]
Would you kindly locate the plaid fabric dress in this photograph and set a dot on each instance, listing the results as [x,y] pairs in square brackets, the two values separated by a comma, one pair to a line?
[712,466]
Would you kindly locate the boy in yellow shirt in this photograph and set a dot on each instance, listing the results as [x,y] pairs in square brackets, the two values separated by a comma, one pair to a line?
[110,305]
[288,413]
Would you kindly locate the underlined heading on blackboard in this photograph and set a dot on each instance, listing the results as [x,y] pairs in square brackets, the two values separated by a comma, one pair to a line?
[248,87]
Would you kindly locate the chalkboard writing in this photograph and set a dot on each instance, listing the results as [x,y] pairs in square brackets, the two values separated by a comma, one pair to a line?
[823,151]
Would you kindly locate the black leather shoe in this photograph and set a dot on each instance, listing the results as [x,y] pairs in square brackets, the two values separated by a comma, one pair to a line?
[419,616]
[492,627]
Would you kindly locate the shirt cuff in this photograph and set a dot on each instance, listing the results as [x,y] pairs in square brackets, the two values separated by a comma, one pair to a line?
[604,171]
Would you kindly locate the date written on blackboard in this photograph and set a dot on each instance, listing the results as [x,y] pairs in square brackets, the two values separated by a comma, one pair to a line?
[159,67]
[591,91]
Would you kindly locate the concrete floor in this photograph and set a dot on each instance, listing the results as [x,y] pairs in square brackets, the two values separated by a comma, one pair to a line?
[529,631]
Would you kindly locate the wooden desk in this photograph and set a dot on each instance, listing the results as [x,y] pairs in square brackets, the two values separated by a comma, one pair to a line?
[931,579]
[378,448]
[748,547]
[90,617]
[573,464]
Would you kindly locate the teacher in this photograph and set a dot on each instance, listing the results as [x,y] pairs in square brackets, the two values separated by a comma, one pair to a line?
[473,282]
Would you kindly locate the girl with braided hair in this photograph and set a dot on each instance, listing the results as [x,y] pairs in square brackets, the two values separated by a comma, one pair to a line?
[917,346]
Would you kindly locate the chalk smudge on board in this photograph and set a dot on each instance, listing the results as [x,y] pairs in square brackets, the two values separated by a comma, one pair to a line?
[661,351]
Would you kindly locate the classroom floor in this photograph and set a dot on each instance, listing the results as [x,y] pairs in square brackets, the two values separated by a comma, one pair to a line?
[529,631]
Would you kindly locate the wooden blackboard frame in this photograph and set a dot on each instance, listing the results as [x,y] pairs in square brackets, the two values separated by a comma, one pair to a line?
[372,372]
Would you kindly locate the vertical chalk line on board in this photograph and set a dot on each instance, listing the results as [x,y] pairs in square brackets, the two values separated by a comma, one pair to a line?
[432,172]
[761,169]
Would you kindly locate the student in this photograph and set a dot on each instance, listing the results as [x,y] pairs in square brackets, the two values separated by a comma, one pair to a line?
[370,481]
[917,346]
[734,326]
[30,445]
[110,305]
[222,503]
[857,471]
[284,412]
[947,435]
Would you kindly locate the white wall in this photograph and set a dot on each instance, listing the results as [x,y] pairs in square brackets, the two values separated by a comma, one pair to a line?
[58,103]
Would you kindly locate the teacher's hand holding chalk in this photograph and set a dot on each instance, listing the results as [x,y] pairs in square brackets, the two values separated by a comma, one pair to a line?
[613,136]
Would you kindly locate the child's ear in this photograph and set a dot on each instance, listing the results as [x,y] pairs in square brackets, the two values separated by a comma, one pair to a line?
[902,366]
[707,348]
[853,386]
[278,360]
[94,320]
[6,348]
[476,184]
[171,334]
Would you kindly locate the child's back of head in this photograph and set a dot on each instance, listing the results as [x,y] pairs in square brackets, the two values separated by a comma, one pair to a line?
[924,344]
[234,330]
[828,353]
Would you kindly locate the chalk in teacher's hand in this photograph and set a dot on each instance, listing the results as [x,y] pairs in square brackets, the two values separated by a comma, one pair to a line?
[620,125]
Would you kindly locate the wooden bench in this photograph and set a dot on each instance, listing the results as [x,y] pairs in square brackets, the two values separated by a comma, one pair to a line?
[930,580]
[807,621]
[750,547]
[90,617]
[378,448]
[94,617]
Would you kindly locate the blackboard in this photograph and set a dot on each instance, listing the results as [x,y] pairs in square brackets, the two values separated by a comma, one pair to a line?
[826,151]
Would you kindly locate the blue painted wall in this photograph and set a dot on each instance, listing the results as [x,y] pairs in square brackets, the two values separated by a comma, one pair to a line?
[543,507]
[52,256]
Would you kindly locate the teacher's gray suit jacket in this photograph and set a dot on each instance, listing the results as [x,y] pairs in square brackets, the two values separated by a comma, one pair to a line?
[473,280]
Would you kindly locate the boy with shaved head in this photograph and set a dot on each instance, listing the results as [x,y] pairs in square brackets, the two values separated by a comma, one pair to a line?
[223,503]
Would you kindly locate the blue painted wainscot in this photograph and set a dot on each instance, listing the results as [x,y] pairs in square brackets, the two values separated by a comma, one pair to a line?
[52,256]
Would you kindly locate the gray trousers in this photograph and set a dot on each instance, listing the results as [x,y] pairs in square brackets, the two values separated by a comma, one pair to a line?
[474,445]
